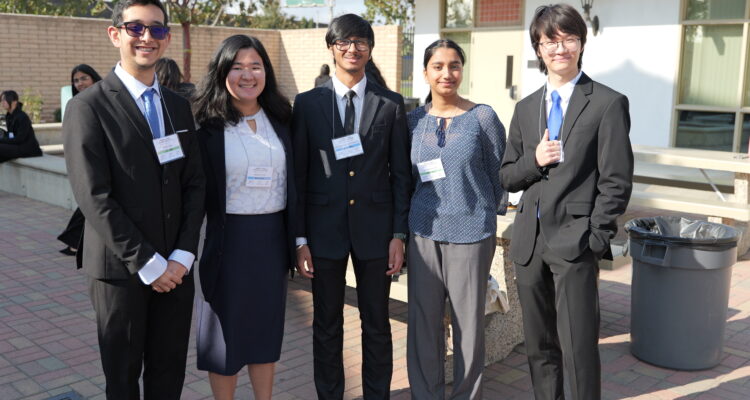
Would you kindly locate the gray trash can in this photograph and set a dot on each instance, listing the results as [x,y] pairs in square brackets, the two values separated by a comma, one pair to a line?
[682,271]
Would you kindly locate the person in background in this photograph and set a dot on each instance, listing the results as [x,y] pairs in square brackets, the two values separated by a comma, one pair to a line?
[170,76]
[325,75]
[19,140]
[246,144]
[456,150]
[373,73]
[82,77]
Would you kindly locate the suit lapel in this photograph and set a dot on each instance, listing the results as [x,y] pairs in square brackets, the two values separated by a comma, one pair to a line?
[123,100]
[327,103]
[370,106]
[215,144]
[578,102]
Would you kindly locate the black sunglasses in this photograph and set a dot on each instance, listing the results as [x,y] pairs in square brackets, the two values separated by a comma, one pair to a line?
[137,29]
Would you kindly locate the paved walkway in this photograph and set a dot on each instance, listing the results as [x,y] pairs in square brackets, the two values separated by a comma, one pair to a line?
[48,344]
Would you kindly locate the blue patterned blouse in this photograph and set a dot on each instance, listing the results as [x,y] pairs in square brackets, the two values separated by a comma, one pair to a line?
[463,206]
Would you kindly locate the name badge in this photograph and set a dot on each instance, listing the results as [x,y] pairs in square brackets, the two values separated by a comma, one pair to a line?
[562,152]
[431,170]
[168,149]
[259,177]
[347,146]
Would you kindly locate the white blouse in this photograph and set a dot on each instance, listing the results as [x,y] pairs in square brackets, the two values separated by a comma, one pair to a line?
[244,149]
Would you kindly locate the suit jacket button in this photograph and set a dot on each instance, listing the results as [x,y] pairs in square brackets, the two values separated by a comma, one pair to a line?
[168,215]
[351,202]
[166,181]
[351,173]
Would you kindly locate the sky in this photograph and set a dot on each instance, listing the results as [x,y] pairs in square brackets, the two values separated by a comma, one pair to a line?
[321,14]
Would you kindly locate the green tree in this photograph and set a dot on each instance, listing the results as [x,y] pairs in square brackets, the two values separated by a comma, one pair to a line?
[74,8]
[270,16]
[390,12]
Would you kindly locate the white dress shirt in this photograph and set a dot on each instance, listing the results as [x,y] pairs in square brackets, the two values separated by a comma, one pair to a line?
[565,91]
[244,149]
[156,265]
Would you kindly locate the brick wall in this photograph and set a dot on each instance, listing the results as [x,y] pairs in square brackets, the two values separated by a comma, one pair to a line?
[38,52]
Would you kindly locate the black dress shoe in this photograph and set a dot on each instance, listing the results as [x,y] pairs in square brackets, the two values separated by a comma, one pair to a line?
[68,251]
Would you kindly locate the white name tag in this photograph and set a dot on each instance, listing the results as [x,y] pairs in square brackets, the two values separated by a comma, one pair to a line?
[259,177]
[168,149]
[562,153]
[347,146]
[431,170]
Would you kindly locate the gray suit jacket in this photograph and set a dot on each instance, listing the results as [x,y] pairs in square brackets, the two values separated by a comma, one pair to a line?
[579,199]
[358,202]
[134,207]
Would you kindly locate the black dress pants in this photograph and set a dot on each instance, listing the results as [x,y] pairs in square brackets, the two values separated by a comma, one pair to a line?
[140,329]
[560,304]
[373,290]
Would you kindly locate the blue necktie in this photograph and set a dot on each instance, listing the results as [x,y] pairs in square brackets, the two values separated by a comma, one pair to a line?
[150,111]
[554,121]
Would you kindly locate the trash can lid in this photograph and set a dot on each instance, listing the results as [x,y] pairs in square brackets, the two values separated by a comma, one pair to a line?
[681,231]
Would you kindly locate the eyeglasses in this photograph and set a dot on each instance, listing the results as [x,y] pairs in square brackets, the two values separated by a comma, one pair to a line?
[343,44]
[137,29]
[569,44]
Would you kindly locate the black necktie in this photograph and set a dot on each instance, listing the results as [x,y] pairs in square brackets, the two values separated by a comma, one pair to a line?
[349,115]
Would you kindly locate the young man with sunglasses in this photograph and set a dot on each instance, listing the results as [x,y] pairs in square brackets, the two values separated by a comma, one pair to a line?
[135,169]
[569,151]
[351,149]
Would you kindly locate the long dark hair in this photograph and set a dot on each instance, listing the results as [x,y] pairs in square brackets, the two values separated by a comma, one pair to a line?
[86,69]
[213,103]
[168,73]
[433,47]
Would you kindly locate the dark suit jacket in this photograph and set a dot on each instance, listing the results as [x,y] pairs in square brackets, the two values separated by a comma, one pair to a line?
[355,203]
[579,199]
[133,206]
[23,143]
[211,140]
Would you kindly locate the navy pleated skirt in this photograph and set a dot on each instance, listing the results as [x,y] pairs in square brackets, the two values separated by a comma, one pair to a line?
[244,322]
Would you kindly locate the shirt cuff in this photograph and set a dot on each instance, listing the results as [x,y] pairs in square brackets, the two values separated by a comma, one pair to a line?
[153,269]
[300,241]
[183,257]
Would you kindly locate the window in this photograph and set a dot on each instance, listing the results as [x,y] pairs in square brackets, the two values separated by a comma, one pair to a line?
[713,104]
[462,17]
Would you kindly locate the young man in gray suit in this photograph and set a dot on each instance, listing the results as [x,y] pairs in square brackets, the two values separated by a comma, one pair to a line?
[353,174]
[135,169]
[569,151]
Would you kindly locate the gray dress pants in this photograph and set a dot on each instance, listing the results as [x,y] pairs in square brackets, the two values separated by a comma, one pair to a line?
[459,273]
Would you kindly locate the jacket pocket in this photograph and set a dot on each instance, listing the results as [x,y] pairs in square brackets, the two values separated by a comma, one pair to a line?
[381,197]
[579,208]
[317,199]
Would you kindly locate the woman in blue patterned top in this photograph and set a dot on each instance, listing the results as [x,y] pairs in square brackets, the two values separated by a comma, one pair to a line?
[456,150]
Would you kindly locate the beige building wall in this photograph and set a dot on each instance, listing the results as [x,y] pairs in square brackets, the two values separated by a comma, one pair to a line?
[38,52]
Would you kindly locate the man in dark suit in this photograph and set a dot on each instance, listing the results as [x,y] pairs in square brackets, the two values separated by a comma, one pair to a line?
[575,167]
[136,174]
[351,149]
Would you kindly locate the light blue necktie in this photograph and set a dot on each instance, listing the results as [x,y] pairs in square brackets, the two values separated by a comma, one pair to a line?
[150,110]
[554,122]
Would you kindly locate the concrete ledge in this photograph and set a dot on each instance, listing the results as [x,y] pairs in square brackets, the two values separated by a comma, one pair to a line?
[42,178]
[48,133]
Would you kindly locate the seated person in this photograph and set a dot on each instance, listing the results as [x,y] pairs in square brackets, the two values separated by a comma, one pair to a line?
[19,141]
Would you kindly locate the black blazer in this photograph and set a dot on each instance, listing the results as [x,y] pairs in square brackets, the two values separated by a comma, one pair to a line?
[24,141]
[579,199]
[211,140]
[358,202]
[134,207]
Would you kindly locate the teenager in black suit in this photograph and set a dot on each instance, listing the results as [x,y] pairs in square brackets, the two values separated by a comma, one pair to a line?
[351,148]
[134,165]
[249,247]
[569,151]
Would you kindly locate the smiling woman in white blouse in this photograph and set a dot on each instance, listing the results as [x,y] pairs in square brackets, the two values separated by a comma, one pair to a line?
[245,144]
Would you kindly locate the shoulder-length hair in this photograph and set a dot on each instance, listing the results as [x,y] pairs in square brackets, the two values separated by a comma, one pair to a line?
[168,73]
[550,19]
[213,103]
[86,69]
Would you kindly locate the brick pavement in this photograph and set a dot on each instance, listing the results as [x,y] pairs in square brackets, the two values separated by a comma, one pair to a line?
[48,342]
